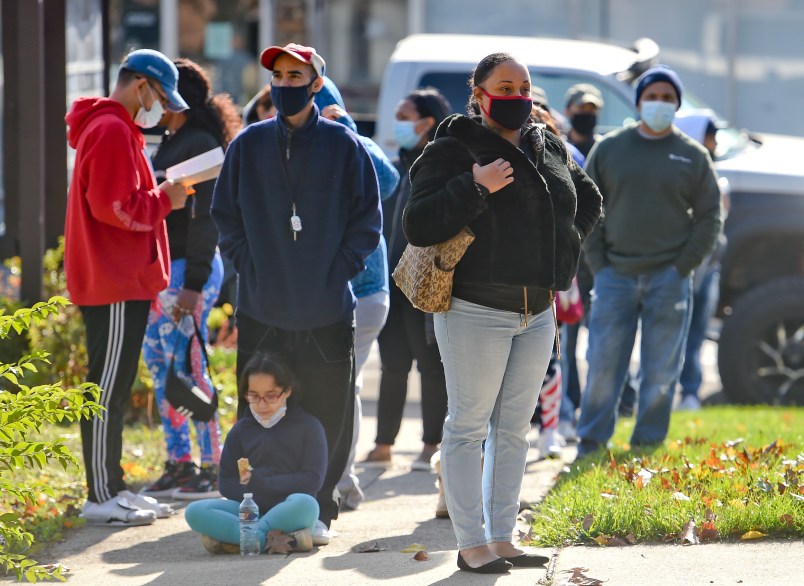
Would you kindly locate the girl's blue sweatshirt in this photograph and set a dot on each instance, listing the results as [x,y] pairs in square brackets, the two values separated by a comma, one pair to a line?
[297,284]
[288,458]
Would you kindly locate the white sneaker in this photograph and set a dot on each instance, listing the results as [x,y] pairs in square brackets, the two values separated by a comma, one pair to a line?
[321,534]
[568,432]
[117,512]
[549,444]
[689,403]
[148,503]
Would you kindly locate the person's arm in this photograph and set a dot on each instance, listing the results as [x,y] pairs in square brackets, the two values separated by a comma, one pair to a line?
[364,225]
[202,238]
[225,209]
[589,200]
[442,201]
[595,245]
[387,175]
[228,475]
[707,217]
[116,193]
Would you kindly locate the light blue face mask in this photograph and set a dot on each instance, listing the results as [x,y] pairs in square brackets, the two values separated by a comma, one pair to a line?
[405,134]
[658,115]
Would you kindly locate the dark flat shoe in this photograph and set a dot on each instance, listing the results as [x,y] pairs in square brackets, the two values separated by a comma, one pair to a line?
[527,560]
[498,566]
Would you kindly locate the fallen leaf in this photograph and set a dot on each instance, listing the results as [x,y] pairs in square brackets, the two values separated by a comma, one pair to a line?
[373,548]
[578,578]
[278,542]
[709,515]
[587,522]
[421,556]
[413,548]
[689,534]
[630,539]
[787,520]
[680,496]
[602,539]
[617,542]
[753,535]
[708,531]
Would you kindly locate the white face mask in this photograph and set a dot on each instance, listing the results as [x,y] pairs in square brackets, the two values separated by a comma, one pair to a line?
[273,419]
[658,115]
[149,118]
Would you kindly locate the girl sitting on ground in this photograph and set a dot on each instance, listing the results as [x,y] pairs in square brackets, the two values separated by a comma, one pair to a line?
[278,452]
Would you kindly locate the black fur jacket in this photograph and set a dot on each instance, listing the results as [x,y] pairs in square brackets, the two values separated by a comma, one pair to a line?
[529,233]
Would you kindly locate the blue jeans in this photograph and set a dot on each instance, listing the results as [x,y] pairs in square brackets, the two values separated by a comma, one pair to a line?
[219,519]
[704,303]
[494,367]
[661,300]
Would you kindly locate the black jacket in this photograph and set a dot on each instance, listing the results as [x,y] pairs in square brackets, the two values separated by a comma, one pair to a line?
[529,233]
[191,233]
[393,207]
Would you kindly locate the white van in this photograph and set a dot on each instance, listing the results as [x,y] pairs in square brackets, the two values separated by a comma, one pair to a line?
[761,352]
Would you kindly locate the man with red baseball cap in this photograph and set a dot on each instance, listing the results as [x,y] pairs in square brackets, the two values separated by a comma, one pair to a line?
[298,210]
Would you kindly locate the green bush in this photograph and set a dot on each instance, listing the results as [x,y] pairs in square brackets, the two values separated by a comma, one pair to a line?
[23,411]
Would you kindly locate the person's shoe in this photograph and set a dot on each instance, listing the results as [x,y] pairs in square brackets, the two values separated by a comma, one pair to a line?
[302,540]
[423,461]
[116,512]
[203,485]
[498,566]
[147,503]
[351,499]
[321,534]
[549,444]
[377,458]
[175,475]
[586,447]
[215,547]
[689,403]
[527,560]
[567,431]
[441,511]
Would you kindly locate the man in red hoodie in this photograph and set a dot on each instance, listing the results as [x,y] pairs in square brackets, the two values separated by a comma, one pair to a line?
[116,260]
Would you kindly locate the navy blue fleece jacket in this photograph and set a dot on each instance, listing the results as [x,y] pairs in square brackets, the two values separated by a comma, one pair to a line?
[288,458]
[297,284]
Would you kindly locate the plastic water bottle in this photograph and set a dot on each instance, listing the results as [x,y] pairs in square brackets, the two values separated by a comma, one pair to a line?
[249,515]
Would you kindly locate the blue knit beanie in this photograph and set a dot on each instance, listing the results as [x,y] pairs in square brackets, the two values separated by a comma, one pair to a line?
[658,73]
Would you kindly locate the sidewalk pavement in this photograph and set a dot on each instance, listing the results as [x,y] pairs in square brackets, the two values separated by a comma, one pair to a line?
[399,512]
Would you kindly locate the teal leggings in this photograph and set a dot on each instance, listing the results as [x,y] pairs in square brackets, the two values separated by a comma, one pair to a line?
[218,518]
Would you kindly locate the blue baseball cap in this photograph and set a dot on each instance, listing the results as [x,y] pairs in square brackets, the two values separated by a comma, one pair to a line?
[159,68]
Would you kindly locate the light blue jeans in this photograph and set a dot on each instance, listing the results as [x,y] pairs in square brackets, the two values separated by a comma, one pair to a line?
[661,300]
[494,367]
[370,315]
[219,518]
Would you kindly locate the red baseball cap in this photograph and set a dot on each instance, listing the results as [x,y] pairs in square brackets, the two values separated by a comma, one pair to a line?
[304,54]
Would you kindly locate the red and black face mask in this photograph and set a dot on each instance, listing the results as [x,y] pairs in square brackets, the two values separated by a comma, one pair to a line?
[510,112]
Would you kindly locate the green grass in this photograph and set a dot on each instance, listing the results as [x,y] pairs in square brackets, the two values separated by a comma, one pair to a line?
[737,472]
[143,460]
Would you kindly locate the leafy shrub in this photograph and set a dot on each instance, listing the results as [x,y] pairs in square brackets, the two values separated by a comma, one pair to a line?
[25,411]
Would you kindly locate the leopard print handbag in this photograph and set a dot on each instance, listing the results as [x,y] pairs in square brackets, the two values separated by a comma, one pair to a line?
[424,274]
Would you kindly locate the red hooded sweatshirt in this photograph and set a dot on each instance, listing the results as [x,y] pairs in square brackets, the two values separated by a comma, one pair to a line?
[115,239]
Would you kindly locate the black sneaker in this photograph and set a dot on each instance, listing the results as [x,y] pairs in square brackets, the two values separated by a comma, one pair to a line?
[176,474]
[203,485]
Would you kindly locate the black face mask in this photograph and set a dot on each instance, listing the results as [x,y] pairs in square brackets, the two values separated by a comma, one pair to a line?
[288,100]
[584,123]
[510,112]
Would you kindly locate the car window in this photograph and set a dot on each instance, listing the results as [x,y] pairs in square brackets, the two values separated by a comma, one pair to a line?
[616,111]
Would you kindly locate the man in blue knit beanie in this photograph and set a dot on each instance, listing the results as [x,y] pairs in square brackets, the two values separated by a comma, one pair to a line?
[662,216]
